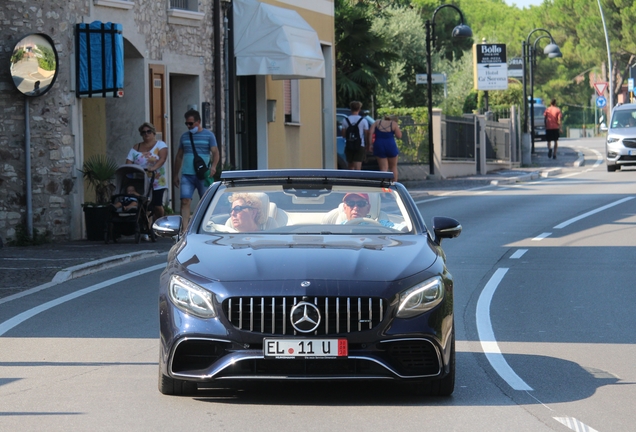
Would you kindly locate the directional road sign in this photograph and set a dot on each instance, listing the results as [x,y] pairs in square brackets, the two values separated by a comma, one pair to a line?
[490,67]
[515,67]
[601,101]
[437,78]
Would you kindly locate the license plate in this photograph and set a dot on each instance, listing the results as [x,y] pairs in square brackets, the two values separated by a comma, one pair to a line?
[308,348]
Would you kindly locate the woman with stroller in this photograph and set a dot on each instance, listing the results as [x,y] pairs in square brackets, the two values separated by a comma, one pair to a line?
[151,155]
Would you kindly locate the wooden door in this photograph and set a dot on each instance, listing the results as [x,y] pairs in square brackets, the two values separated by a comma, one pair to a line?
[158,100]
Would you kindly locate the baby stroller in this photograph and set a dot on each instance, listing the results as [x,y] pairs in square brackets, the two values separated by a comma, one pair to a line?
[131,212]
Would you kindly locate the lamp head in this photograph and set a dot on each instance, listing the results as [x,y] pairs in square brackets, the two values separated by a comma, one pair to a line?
[462,31]
[552,50]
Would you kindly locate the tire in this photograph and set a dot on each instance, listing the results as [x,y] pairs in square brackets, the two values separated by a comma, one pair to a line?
[152,235]
[443,387]
[173,387]
[342,164]
[446,386]
[612,168]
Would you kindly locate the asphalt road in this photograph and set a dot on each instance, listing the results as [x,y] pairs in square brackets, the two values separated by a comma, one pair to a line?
[543,309]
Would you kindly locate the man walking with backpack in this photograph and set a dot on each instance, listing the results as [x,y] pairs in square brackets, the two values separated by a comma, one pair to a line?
[355,131]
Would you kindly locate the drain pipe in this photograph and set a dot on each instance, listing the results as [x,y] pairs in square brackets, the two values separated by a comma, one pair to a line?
[218,88]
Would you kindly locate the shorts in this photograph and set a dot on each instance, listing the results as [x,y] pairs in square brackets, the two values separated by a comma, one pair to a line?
[355,155]
[190,182]
[551,134]
[385,149]
[157,197]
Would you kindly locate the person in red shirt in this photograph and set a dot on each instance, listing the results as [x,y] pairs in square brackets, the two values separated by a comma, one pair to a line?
[552,127]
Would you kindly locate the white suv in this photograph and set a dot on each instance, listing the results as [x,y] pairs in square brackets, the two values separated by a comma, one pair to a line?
[620,147]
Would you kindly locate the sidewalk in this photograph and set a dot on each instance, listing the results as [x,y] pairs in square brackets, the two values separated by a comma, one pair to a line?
[22,268]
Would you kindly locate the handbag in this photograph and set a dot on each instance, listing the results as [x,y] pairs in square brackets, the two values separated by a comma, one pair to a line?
[200,167]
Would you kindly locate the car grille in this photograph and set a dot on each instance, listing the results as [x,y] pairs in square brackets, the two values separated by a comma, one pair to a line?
[414,357]
[271,315]
[629,142]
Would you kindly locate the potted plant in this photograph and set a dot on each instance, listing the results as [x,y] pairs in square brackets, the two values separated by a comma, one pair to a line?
[98,171]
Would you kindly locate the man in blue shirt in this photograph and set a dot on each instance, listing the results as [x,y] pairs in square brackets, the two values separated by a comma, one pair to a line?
[206,147]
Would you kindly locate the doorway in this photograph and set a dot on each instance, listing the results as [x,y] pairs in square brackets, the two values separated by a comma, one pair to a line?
[246,133]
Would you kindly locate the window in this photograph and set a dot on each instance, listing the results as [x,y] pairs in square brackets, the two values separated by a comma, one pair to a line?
[292,101]
[189,5]
[185,12]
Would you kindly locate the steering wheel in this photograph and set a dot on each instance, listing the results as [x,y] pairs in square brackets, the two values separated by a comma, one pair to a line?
[222,228]
[363,220]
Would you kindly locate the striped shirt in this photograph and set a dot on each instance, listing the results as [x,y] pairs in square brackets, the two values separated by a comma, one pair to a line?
[204,140]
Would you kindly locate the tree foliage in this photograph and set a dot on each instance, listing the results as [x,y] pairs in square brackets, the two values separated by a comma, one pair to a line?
[398,28]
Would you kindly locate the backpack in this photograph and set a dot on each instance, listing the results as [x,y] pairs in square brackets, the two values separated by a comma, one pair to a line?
[352,137]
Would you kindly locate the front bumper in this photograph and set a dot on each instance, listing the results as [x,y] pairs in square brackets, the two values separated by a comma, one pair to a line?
[204,359]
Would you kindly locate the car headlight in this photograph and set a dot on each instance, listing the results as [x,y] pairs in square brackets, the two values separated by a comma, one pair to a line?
[612,139]
[421,298]
[191,298]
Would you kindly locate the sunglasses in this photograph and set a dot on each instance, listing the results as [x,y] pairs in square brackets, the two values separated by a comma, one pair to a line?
[239,208]
[147,131]
[189,124]
[352,203]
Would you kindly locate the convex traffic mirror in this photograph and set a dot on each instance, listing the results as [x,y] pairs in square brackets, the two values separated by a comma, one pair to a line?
[34,64]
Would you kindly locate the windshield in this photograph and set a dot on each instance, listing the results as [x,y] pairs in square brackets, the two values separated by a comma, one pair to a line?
[310,209]
[623,119]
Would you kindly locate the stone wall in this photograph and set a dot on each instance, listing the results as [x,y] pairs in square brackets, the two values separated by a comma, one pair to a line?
[55,118]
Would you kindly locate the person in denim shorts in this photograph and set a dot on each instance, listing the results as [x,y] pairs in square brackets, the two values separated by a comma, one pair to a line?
[187,181]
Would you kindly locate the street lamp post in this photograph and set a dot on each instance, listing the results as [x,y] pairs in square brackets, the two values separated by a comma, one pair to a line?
[528,53]
[461,31]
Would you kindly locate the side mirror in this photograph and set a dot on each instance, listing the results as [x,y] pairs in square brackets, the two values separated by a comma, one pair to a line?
[167,226]
[445,227]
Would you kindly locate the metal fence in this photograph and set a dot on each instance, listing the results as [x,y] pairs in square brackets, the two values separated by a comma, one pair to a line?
[414,143]
[458,138]
[497,141]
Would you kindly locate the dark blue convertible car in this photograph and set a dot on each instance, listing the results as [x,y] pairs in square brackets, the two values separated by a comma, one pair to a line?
[306,274]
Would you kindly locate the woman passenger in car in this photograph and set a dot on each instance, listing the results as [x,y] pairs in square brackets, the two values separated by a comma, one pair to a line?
[247,212]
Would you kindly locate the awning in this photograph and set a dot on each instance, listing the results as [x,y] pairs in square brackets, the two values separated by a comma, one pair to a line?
[270,40]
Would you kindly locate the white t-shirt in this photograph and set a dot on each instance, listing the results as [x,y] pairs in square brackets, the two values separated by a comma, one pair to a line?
[363,126]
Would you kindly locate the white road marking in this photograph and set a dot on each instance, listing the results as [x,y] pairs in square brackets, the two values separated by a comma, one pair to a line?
[20,318]
[430,199]
[518,254]
[542,236]
[487,336]
[574,424]
[590,213]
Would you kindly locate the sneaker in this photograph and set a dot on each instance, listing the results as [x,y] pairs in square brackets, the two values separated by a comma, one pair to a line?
[145,237]
[549,153]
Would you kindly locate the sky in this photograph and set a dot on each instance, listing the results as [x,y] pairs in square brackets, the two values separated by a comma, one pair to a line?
[524,3]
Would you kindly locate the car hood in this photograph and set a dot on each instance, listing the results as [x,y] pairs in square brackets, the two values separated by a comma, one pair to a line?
[228,258]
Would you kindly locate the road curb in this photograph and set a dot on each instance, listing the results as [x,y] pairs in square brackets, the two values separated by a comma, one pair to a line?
[516,179]
[100,264]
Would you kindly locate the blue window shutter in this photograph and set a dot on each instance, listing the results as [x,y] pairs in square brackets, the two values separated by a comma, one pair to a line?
[99,60]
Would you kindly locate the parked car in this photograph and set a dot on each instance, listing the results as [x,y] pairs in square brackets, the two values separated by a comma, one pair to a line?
[370,164]
[621,138]
[539,121]
[340,280]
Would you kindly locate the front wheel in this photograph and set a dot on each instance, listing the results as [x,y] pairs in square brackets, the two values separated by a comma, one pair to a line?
[174,387]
